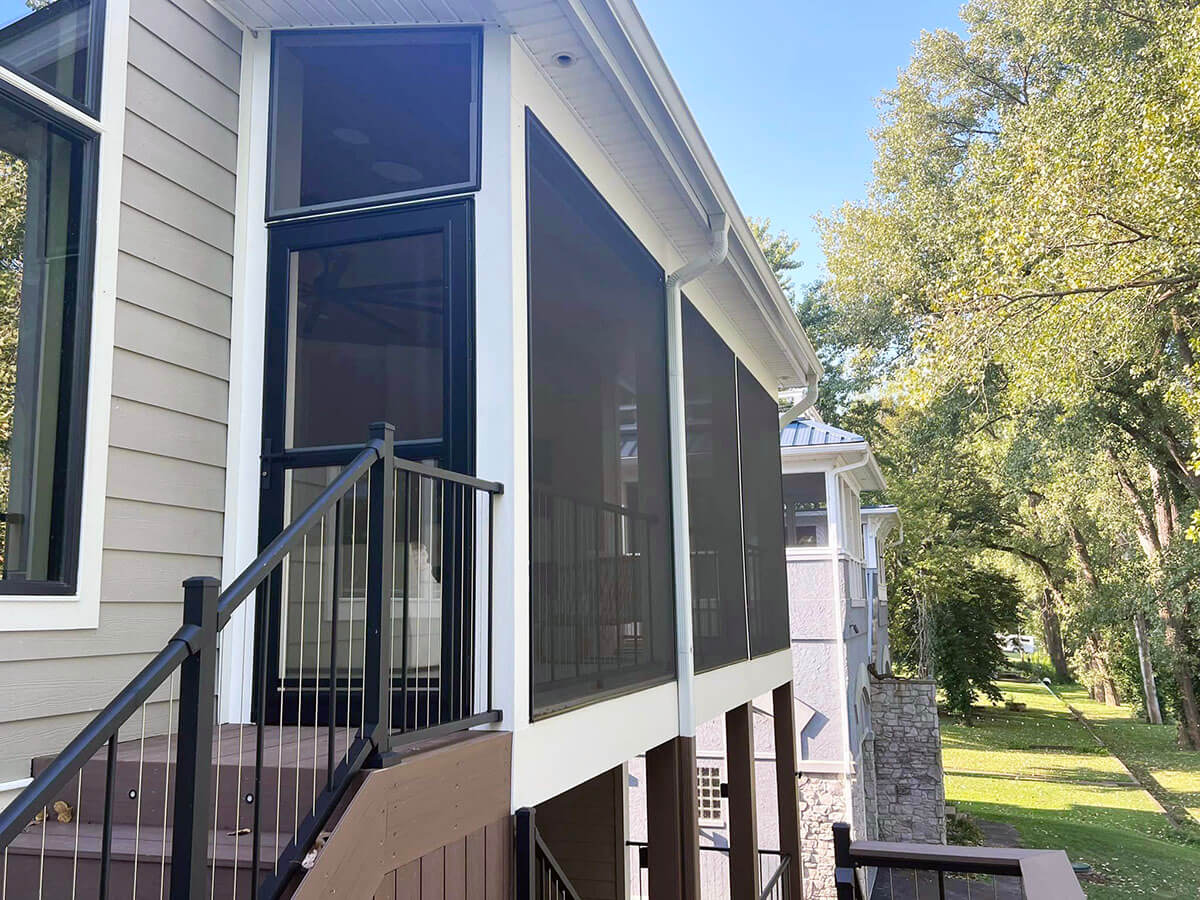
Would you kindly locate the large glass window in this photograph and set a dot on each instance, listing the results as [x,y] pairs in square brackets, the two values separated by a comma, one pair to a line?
[714,495]
[373,115]
[56,44]
[762,516]
[602,593]
[806,517]
[46,174]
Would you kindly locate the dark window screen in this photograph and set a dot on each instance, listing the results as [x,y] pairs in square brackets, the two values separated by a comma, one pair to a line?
[762,514]
[602,592]
[714,497]
[367,116]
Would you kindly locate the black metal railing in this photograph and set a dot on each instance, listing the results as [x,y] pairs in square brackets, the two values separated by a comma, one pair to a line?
[538,875]
[592,584]
[713,877]
[774,867]
[178,789]
[901,871]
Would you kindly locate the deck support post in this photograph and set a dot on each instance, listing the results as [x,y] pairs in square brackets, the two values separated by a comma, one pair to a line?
[743,815]
[784,710]
[673,826]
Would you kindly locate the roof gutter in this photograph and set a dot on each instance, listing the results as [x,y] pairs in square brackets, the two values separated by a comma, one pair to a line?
[685,656]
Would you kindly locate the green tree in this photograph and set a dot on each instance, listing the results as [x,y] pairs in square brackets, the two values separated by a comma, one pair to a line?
[1031,240]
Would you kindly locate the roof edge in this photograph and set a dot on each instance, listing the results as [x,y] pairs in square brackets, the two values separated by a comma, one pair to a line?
[704,181]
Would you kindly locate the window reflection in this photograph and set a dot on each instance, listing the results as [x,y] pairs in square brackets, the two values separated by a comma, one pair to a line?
[41,209]
[49,43]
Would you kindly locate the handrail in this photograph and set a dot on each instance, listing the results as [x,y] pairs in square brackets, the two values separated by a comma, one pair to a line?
[531,851]
[254,575]
[775,885]
[108,721]
[1044,874]
[191,656]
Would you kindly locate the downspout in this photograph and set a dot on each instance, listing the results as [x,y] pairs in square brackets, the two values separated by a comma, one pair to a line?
[804,404]
[685,661]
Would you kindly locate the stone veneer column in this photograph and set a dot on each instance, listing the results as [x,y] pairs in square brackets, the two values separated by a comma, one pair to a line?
[910,792]
[822,803]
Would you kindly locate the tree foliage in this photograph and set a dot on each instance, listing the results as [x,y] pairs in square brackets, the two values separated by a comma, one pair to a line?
[1011,317]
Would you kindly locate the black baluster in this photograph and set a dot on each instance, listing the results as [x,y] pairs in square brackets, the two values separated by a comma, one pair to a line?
[110,776]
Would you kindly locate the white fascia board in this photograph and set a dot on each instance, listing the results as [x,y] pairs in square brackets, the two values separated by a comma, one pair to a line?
[555,754]
[720,690]
[821,457]
[642,79]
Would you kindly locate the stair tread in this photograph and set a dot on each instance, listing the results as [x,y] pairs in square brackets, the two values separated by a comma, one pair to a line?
[61,840]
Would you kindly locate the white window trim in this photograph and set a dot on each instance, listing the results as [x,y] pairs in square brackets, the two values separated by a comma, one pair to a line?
[41,612]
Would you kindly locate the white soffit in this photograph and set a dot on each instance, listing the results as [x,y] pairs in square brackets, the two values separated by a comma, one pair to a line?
[602,88]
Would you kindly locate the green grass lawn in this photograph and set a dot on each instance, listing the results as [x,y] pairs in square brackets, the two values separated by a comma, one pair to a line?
[1115,828]
[1150,751]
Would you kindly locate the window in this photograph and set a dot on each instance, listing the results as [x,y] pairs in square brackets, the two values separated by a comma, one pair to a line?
[56,45]
[714,495]
[47,176]
[762,521]
[708,796]
[806,520]
[600,543]
[369,116]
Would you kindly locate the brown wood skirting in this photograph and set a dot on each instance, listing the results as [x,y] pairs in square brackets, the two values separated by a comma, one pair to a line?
[585,830]
[475,867]
[437,823]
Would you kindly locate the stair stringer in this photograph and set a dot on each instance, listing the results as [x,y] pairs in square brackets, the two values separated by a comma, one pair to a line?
[435,798]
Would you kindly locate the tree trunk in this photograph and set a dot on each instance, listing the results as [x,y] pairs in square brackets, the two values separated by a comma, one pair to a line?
[1052,632]
[1153,713]
[1190,727]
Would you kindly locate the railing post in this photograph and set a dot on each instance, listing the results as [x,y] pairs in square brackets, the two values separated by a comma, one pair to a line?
[193,770]
[843,863]
[526,852]
[381,547]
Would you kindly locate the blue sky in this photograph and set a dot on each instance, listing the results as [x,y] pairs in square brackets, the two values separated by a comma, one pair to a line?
[784,91]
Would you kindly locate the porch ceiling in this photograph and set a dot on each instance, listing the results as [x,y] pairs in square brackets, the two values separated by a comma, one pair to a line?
[621,98]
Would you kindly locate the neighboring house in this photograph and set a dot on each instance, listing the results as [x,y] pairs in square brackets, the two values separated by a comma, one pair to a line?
[869,743]
[844,692]
[365,317]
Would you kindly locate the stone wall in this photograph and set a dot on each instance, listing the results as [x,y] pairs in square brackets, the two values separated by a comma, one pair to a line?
[822,801]
[910,794]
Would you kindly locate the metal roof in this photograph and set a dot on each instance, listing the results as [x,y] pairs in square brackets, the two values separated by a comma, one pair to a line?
[811,433]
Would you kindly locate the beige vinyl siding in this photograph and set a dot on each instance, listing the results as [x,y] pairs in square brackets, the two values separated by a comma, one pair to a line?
[170,390]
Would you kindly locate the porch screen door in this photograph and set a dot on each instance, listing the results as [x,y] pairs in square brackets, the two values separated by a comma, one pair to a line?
[369,319]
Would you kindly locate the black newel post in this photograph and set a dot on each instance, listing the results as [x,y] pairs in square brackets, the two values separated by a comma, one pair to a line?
[844,864]
[381,548]
[525,851]
[193,772]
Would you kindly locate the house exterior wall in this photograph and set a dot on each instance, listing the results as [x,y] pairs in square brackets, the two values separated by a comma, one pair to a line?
[167,436]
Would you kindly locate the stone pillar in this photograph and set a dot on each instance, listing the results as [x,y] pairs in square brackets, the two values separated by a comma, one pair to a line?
[910,792]
[822,803]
